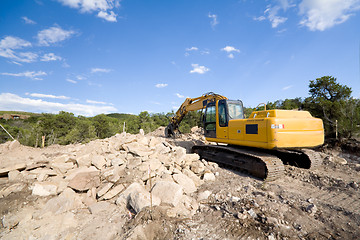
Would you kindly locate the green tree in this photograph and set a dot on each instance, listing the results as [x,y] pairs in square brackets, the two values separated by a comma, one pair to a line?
[330,100]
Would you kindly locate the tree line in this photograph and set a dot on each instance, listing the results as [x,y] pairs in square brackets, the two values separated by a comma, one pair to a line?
[328,100]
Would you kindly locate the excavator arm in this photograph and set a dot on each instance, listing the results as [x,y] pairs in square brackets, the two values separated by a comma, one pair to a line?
[190,104]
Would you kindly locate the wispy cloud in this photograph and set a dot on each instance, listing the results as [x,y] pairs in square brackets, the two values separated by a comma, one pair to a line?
[191,49]
[33,75]
[50,57]
[9,44]
[53,35]
[95,102]
[321,15]
[199,69]
[179,95]
[71,81]
[14,102]
[110,17]
[161,85]
[41,95]
[103,70]
[103,7]
[271,13]
[28,20]
[214,20]
[287,87]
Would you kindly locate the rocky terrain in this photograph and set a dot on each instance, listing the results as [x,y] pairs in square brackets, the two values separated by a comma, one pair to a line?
[148,187]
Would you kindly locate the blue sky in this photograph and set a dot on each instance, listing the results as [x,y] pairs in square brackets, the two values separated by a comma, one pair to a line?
[101,56]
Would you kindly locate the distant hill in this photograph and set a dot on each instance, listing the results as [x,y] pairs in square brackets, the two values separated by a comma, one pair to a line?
[122,116]
[20,113]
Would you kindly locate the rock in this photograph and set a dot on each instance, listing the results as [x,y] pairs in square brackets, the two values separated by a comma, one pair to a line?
[99,207]
[338,160]
[141,199]
[197,167]
[62,168]
[137,149]
[185,182]
[209,176]
[84,161]
[113,192]
[193,176]
[68,200]
[98,161]
[141,132]
[104,189]
[15,176]
[312,209]
[6,191]
[85,179]
[168,192]
[44,189]
[19,166]
[354,185]
[203,195]
[252,213]
[117,161]
[124,196]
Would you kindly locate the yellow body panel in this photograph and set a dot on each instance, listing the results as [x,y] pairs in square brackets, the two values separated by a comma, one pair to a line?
[272,129]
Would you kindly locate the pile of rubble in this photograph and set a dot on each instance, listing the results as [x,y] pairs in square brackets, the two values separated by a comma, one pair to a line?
[121,176]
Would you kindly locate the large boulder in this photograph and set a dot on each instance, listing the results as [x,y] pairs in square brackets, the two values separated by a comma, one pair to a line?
[168,192]
[85,179]
[68,200]
[185,182]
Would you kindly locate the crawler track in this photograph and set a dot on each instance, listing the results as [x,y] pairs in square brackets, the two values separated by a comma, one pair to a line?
[261,163]
[258,164]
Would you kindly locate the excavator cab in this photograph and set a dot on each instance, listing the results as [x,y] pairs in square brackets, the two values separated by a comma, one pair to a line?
[217,116]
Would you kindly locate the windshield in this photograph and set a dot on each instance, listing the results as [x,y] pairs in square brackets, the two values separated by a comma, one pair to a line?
[235,110]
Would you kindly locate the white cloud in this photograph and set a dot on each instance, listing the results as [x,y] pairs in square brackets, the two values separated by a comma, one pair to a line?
[53,35]
[95,102]
[161,85]
[79,77]
[261,18]
[179,95]
[9,43]
[33,75]
[191,49]
[108,17]
[13,102]
[28,20]
[50,57]
[287,87]
[41,95]
[323,14]
[214,20]
[199,69]
[230,49]
[71,81]
[271,13]
[103,7]
[104,70]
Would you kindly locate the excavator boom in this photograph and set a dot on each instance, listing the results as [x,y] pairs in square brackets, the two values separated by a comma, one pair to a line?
[190,104]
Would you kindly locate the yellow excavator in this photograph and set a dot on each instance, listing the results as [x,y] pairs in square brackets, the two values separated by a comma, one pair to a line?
[259,144]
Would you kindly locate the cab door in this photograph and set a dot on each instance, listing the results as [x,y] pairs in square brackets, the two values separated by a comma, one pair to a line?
[210,121]
[222,120]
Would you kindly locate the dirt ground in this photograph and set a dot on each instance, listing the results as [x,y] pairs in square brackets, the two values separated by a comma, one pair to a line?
[303,204]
